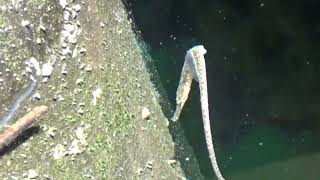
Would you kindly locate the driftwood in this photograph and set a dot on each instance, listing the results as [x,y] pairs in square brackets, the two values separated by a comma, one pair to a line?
[11,132]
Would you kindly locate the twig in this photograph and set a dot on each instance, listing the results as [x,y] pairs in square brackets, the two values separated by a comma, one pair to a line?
[9,134]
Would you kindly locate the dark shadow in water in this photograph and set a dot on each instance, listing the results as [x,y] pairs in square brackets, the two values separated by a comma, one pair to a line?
[263,68]
[20,140]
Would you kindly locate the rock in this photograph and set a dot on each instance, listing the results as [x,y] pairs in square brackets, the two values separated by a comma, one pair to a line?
[149,165]
[32,174]
[145,113]
[79,81]
[88,68]
[38,41]
[47,70]
[33,63]
[76,7]
[75,147]
[59,151]
[172,161]
[139,171]
[83,50]
[43,28]
[96,95]
[52,131]
[66,15]
[102,24]
[36,96]
[25,23]
[80,111]
[81,135]
[63,3]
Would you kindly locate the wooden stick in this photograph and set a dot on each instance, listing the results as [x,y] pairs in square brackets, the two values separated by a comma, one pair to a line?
[9,134]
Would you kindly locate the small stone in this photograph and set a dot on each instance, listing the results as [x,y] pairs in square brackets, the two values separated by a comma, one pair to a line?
[96,95]
[76,7]
[36,96]
[79,81]
[83,50]
[44,80]
[80,111]
[63,3]
[64,45]
[52,131]
[32,174]
[66,15]
[47,70]
[59,151]
[82,104]
[102,24]
[88,68]
[63,69]
[145,113]
[33,62]
[149,165]
[59,98]
[25,23]
[38,41]
[81,135]
[172,161]
[82,66]
[139,171]
[74,14]
[8,163]
[69,27]
[75,147]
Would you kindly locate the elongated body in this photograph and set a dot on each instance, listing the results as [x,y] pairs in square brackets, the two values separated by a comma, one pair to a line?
[195,68]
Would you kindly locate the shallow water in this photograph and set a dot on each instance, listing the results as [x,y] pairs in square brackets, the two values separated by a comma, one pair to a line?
[262,66]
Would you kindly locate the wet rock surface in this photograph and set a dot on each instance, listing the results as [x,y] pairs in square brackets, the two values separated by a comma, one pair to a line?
[91,74]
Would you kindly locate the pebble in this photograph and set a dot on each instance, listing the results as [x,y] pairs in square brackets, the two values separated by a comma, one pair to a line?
[25,23]
[76,7]
[32,174]
[36,96]
[83,50]
[96,95]
[52,131]
[33,62]
[149,165]
[172,161]
[79,81]
[102,24]
[75,147]
[47,70]
[59,151]
[81,135]
[88,68]
[80,111]
[63,3]
[38,41]
[145,113]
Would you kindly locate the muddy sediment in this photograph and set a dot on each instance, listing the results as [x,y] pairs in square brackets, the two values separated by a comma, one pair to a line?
[95,82]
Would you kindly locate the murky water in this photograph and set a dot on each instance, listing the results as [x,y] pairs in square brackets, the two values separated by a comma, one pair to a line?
[263,70]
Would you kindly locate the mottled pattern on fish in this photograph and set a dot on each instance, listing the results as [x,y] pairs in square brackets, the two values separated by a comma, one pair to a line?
[195,68]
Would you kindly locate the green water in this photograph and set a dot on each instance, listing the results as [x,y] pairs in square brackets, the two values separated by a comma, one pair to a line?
[263,70]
